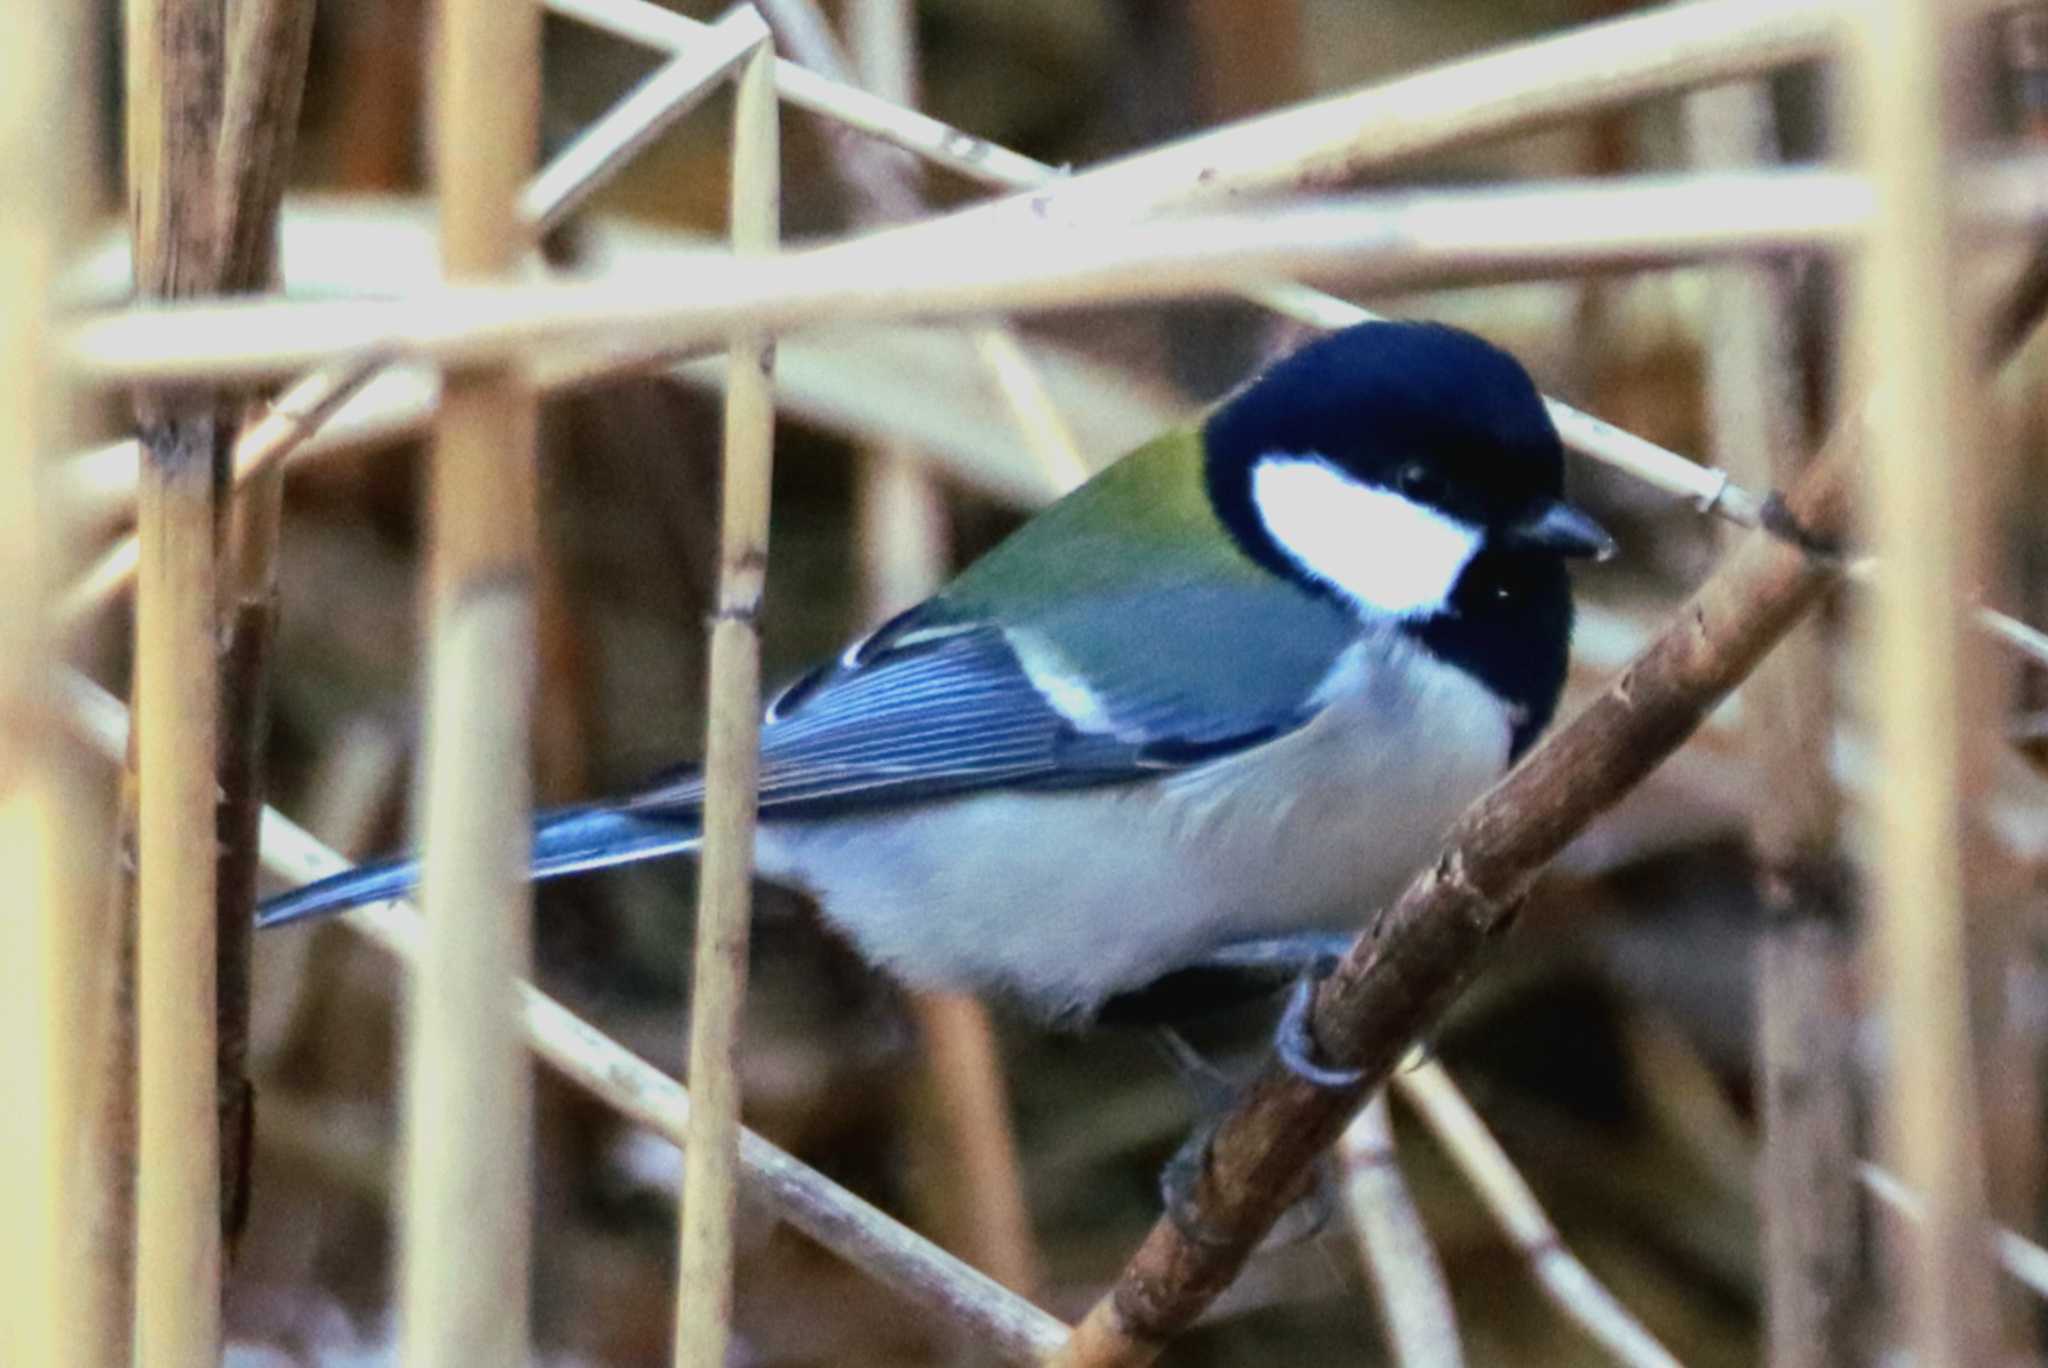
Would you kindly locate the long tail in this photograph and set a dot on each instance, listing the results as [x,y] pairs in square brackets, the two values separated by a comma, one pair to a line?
[566,841]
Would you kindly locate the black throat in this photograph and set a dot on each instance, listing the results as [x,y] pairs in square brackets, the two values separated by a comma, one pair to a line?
[1508,625]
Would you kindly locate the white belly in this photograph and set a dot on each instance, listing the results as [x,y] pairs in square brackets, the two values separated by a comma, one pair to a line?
[1060,900]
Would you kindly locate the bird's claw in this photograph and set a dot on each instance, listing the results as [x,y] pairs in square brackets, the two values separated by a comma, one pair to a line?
[1180,1183]
[1295,1044]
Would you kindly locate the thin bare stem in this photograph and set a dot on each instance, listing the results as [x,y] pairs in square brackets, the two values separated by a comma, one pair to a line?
[1929,501]
[902,532]
[885,187]
[648,111]
[269,45]
[54,967]
[732,750]
[2023,1260]
[174,78]
[1424,1085]
[1401,1264]
[468,1113]
[1397,238]
[868,1239]
[1716,40]
[1806,1196]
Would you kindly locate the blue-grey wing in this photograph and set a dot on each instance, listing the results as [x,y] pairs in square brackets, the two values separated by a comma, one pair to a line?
[923,710]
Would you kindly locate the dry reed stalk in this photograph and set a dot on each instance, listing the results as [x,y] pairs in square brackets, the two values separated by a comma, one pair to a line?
[1806,1194]
[296,415]
[886,190]
[732,749]
[647,111]
[173,82]
[2023,1260]
[1424,1085]
[55,969]
[1400,1263]
[865,1237]
[468,1103]
[1405,238]
[1929,501]
[990,164]
[902,530]
[268,45]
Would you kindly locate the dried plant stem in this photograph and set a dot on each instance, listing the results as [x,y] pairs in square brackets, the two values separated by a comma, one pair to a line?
[269,44]
[468,1112]
[1402,238]
[865,1237]
[886,190]
[2023,1260]
[648,111]
[54,967]
[1714,41]
[732,752]
[174,77]
[1406,1276]
[1424,1085]
[1806,1195]
[1929,500]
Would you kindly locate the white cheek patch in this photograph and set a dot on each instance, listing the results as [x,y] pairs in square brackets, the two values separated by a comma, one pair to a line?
[1383,551]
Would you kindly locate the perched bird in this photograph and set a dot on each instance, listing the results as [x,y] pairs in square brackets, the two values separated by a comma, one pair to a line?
[1231,690]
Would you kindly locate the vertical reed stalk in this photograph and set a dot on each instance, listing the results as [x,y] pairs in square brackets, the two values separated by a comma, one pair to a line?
[468,1113]
[732,759]
[1806,1193]
[902,532]
[53,960]
[174,56]
[269,43]
[1928,497]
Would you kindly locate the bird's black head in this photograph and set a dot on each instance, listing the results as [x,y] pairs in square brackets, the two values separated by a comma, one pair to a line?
[1411,471]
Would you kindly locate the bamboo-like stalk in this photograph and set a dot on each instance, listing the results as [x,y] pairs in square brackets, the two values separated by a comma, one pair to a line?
[901,527]
[865,1237]
[467,1126]
[1401,1264]
[1401,238]
[732,750]
[1806,1070]
[1425,1085]
[174,79]
[1930,499]
[54,964]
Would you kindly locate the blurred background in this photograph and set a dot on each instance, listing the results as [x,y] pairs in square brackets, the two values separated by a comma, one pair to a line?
[1610,1047]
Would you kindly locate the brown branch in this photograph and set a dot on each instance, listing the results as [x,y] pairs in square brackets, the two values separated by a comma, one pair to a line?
[1806,1191]
[269,43]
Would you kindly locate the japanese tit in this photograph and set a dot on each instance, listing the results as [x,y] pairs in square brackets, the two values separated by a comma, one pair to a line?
[1232,689]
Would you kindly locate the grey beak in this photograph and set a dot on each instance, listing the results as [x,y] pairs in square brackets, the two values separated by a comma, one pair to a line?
[1562,530]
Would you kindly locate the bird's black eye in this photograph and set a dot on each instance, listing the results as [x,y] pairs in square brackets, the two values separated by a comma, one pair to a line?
[1412,478]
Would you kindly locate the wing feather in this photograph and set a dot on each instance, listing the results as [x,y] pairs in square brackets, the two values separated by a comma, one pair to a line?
[922,710]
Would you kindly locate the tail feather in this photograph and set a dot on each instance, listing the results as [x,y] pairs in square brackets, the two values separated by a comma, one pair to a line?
[567,841]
